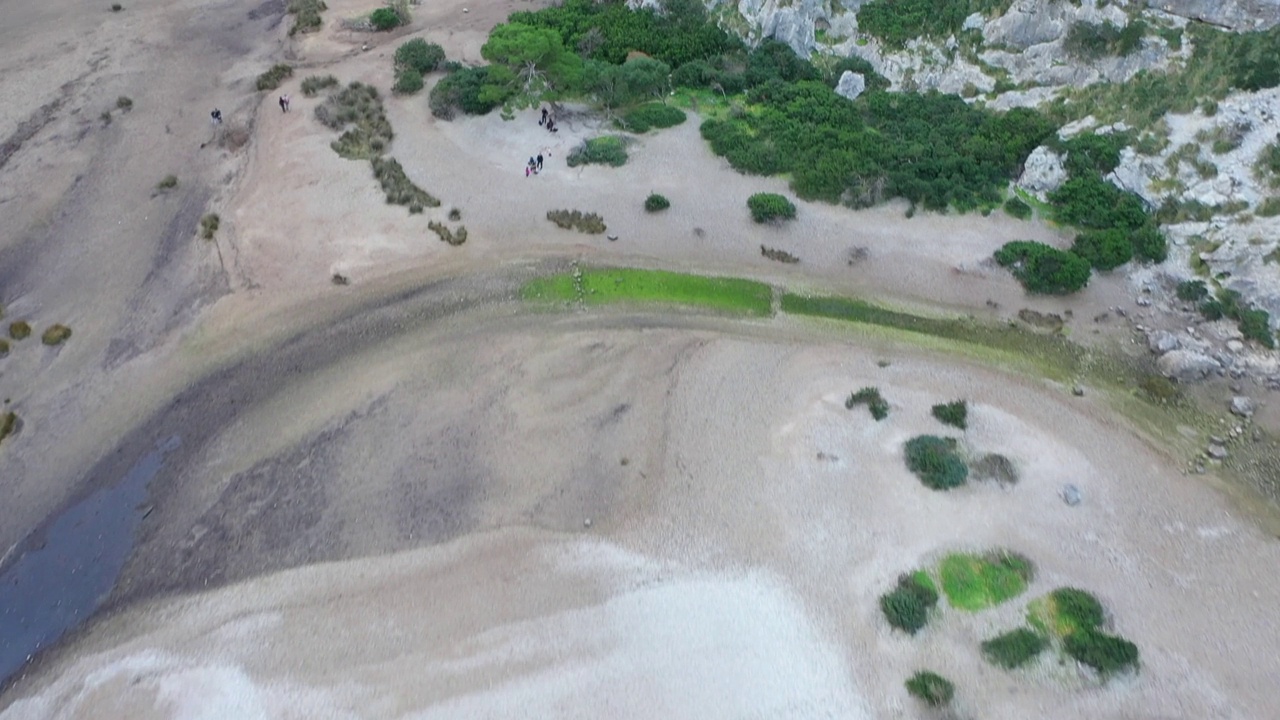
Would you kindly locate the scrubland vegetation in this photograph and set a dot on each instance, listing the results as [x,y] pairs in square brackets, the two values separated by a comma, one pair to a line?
[869,396]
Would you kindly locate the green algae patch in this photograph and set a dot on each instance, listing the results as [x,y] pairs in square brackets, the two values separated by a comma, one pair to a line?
[631,285]
[977,582]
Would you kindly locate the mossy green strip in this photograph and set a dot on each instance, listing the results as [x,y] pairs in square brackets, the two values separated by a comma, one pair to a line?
[599,286]
[973,582]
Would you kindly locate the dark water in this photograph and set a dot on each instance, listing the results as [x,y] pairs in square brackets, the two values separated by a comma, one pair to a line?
[66,570]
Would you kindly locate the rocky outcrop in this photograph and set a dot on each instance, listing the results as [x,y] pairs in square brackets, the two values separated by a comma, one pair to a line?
[1238,15]
[1187,365]
[851,85]
[1043,172]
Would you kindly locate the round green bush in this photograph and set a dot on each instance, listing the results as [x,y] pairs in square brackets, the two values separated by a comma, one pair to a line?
[408,82]
[1017,208]
[656,202]
[384,19]
[955,413]
[419,55]
[931,687]
[907,606]
[1077,609]
[766,207]
[1014,648]
[608,150]
[935,462]
[1105,653]
[1042,268]
[652,115]
[1104,249]
[1192,290]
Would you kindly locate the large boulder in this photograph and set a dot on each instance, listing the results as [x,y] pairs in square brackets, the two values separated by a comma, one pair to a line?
[851,85]
[1043,172]
[1187,365]
[1233,14]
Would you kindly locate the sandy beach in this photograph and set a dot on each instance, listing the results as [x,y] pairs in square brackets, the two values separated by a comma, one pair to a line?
[418,496]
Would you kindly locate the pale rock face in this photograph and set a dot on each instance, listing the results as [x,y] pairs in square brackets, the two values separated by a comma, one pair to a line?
[1232,14]
[1043,172]
[1187,365]
[851,85]
[1163,341]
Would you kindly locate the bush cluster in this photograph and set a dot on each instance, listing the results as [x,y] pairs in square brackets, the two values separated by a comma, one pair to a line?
[651,115]
[306,15]
[897,21]
[931,687]
[907,606]
[1192,291]
[1014,648]
[1090,41]
[870,397]
[589,223]
[1018,208]
[1254,323]
[656,202]
[777,255]
[397,186]
[384,19]
[55,334]
[1044,269]
[954,413]
[1091,203]
[606,150]
[452,237]
[1076,610]
[461,91]
[313,84]
[935,461]
[418,54]
[271,79]
[768,207]
[209,225]
[1107,654]
[408,81]
[20,330]
[357,110]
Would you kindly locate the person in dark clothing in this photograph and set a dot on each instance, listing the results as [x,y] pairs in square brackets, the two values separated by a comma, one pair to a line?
[217,116]
[539,163]
[533,166]
[543,121]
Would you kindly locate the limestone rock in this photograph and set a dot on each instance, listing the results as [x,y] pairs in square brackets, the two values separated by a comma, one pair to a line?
[1043,172]
[1187,365]
[1217,452]
[1242,406]
[1071,495]
[1233,14]
[851,85]
[1163,341]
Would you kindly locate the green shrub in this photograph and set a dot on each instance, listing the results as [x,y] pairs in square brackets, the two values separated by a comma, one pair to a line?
[9,420]
[420,55]
[1105,653]
[656,202]
[408,82]
[271,79]
[115,7]
[1075,610]
[589,223]
[397,186]
[607,150]
[1044,269]
[209,225]
[953,413]
[124,103]
[452,237]
[55,335]
[652,115]
[975,582]
[1014,648]
[461,91]
[1104,249]
[1192,291]
[870,397]
[313,84]
[1255,324]
[1090,41]
[768,207]
[455,214]
[20,330]
[357,110]
[306,15]
[384,19]
[1269,207]
[1267,167]
[168,182]
[897,21]
[932,688]
[934,460]
[995,467]
[1017,208]
[4,347]
[907,606]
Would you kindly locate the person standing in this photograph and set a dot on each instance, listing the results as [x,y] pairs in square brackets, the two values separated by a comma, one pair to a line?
[216,116]
[543,121]
[284,103]
[539,162]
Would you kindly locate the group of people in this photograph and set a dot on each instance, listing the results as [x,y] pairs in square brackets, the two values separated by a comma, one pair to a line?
[548,121]
[535,163]
[216,116]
